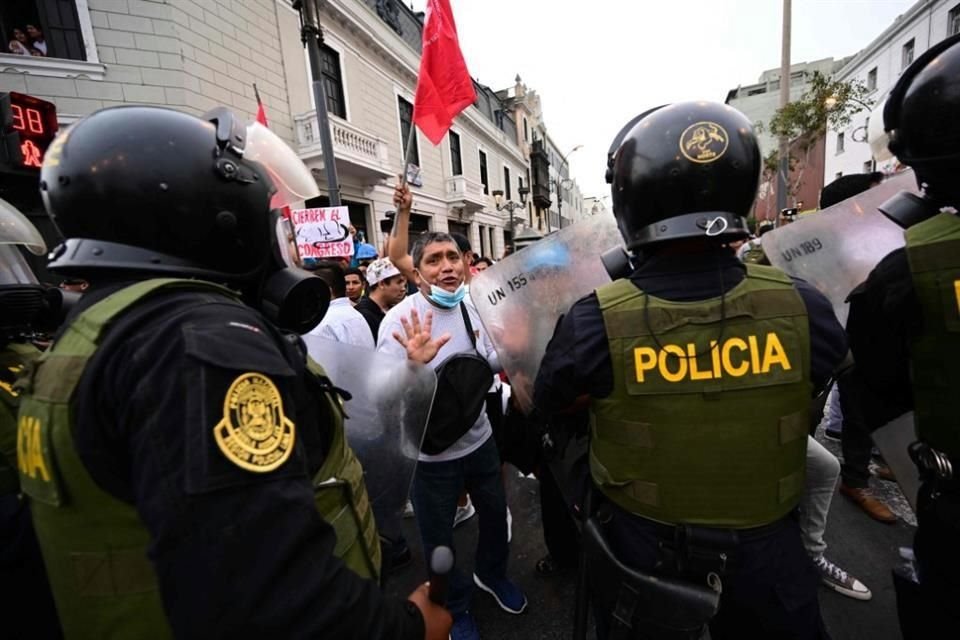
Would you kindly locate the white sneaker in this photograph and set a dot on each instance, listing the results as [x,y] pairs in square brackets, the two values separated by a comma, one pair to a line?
[840,581]
[509,526]
[408,510]
[464,513]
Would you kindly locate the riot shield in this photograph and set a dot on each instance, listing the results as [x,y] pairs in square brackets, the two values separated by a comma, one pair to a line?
[520,298]
[835,249]
[386,419]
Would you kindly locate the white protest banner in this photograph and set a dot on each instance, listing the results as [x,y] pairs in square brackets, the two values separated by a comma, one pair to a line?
[323,232]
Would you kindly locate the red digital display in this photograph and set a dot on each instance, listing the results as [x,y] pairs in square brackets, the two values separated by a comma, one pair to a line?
[35,121]
[27,119]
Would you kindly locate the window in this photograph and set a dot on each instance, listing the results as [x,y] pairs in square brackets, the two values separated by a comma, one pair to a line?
[840,142]
[483,173]
[332,81]
[526,133]
[868,166]
[872,79]
[506,182]
[953,21]
[42,28]
[906,55]
[406,126]
[456,162]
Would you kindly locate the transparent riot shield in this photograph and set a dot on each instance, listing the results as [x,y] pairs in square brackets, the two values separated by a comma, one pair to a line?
[520,298]
[835,249]
[386,419]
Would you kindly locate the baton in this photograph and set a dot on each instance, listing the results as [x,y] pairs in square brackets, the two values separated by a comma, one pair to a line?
[441,562]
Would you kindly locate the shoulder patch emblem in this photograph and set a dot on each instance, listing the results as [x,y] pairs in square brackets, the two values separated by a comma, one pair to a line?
[254,434]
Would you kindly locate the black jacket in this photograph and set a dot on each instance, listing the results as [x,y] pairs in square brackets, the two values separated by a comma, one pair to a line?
[236,553]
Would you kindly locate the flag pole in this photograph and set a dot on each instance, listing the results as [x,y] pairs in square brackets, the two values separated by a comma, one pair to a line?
[408,154]
[411,138]
[311,35]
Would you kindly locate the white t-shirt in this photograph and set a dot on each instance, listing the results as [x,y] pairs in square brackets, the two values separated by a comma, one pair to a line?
[444,321]
[343,323]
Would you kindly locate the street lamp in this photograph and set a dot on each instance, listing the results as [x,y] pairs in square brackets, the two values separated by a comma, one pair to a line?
[312,37]
[510,205]
[830,104]
[560,185]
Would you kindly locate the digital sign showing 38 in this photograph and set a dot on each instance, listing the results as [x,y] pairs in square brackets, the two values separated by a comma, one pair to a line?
[35,122]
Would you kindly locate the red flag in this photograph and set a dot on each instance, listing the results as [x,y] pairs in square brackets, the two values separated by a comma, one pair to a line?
[261,112]
[444,87]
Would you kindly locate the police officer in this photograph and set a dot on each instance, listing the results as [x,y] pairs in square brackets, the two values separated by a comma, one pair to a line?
[699,371]
[903,328]
[171,435]
[22,302]
[752,251]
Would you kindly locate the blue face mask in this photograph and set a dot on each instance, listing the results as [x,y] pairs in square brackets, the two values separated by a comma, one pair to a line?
[447,299]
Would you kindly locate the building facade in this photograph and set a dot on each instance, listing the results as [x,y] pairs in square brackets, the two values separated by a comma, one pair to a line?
[554,192]
[879,66]
[193,55]
[760,101]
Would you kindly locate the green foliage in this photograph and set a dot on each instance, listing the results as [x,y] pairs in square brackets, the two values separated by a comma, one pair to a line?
[826,102]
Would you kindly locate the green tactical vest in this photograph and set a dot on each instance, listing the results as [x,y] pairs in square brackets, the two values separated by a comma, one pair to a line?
[13,357]
[933,251]
[708,419]
[94,545]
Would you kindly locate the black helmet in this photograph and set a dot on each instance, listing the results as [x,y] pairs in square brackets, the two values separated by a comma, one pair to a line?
[686,170]
[149,190]
[921,118]
[164,191]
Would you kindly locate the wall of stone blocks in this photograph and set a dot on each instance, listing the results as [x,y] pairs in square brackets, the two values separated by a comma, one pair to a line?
[190,55]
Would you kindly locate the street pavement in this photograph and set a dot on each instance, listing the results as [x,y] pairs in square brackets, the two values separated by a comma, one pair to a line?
[865,548]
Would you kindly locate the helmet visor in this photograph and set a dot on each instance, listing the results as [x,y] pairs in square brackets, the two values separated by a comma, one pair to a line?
[292,179]
[13,268]
[877,137]
[15,228]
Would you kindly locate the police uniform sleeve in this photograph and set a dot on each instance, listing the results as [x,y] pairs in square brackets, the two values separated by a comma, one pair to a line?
[164,420]
[577,360]
[828,343]
[884,312]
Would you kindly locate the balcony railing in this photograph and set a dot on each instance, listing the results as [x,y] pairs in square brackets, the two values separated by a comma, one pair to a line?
[350,144]
[464,192]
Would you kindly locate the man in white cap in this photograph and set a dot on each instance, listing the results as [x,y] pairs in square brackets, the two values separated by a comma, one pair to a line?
[387,288]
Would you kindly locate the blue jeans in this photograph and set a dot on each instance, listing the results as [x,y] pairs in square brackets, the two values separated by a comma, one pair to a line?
[436,488]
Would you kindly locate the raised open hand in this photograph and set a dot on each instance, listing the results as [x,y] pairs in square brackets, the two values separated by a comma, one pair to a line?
[418,342]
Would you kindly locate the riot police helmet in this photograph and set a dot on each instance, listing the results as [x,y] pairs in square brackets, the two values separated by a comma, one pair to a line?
[150,189]
[920,117]
[683,171]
